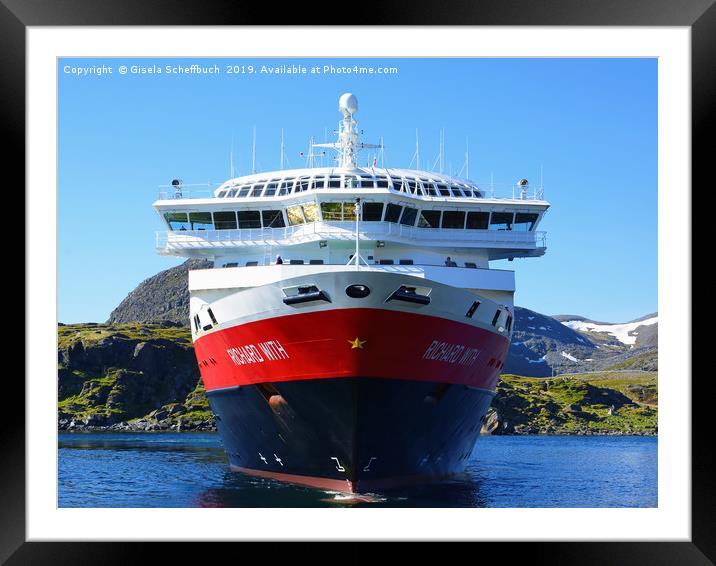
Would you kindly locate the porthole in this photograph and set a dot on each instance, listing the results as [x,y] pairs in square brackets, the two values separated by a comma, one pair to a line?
[357,291]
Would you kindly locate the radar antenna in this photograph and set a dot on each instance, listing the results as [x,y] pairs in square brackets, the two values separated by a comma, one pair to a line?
[348,143]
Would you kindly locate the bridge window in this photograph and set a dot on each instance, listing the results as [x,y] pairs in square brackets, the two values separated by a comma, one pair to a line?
[525,222]
[270,189]
[256,192]
[372,211]
[412,187]
[366,182]
[382,183]
[200,221]
[478,220]
[351,182]
[225,220]
[284,187]
[501,221]
[272,219]
[244,191]
[443,190]
[249,219]
[302,185]
[334,183]
[453,219]
[429,219]
[294,215]
[392,212]
[349,211]
[176,220]
[398,185]
[456,192]
[409,215]
[310,211]
[319,183]
[332,211]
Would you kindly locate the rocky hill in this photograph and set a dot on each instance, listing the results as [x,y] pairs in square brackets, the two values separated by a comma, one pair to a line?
[164,296]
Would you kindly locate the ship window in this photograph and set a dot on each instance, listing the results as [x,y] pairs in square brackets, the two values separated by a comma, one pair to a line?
[284,186]
[366,182]
[349,211]
[443,190]
[232,193]
[244,191]
[432,192]
[497,316]
[272,219]
[392,212]
[251,263]
[231,264]
[176,220]
[270,189]
[302,185]
[332,211]
[472,309]
[310,211]
[412,187]
[429,219]
[428,186]
[525,221]
[405,262]
[334,183]
[382,183]
[456,191]
[221,194]
[295,215]
[315,262]
[409,215]
[200,221]
[319,183]
[372,211]
[211,315]
[453,219]
[351,182]
[249,219]
[471,264]
[256,192]
[478,220]
[386,262]
[296,262]
[397,185]
[501,221]
[225,220]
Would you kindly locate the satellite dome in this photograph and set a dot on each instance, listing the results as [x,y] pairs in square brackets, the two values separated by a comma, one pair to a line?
[348,103]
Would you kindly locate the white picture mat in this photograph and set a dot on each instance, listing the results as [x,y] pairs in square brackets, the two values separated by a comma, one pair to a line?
[669,521]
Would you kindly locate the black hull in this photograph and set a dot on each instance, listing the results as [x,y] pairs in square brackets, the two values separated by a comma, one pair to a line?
[350,434]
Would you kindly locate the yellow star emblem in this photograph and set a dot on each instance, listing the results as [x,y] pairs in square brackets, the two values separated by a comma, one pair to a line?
[357,343]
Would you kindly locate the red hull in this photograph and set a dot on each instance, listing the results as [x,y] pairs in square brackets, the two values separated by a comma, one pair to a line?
[378,343]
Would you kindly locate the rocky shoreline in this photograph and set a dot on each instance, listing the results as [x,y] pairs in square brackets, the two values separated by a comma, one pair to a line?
[143,377]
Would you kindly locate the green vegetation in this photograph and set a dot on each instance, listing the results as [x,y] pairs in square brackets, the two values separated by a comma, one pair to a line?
[594,403]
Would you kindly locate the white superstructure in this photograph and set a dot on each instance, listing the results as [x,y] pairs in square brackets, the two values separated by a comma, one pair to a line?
[410,222]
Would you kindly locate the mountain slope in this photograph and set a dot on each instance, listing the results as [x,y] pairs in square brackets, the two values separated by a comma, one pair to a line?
[164,296]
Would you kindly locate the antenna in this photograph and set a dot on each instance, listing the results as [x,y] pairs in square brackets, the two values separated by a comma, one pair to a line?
[417,150]
[466,164]
[253,153]
[382,153]
[281,166]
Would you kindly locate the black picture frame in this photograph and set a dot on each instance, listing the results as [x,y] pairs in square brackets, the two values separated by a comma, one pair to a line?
[699,15]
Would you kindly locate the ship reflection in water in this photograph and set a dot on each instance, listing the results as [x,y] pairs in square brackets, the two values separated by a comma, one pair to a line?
[190,470]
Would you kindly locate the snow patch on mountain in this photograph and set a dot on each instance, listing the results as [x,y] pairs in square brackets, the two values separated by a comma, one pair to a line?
[622,332]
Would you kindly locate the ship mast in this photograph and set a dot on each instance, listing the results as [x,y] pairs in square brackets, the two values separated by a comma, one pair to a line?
[348,143]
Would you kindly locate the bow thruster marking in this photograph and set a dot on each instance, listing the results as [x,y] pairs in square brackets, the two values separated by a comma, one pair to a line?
[278,460]
[338,464]
[262,457]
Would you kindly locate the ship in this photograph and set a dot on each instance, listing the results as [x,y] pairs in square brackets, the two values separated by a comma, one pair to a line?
[351,333]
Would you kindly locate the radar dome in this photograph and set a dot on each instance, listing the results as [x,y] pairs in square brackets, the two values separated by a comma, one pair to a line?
[348,103]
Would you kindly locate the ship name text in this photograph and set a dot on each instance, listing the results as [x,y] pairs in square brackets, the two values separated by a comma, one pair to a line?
[270,351]
[451,353]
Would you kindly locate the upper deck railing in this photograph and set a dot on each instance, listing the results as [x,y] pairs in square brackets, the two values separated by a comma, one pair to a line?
[501,192]
[315,231]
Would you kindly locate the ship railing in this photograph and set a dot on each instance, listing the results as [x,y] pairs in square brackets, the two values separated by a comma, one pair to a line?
[198,239]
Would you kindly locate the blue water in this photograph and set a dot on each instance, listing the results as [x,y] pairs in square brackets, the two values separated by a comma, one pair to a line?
[190,470]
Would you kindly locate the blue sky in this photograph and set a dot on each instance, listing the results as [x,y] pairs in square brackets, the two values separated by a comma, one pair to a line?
[590,123]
